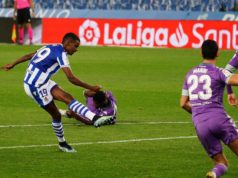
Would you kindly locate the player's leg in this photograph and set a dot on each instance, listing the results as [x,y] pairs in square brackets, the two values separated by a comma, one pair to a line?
[71,114]
[58,127]
[20,22]
[234,146]
[213,147]
[220,168]
[78,107]
[21,33]
[43,97]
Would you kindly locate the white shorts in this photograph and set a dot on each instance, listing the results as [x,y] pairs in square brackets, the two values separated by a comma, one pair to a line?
[42,95]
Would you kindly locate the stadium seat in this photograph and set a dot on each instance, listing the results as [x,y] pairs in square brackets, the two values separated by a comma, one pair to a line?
[103,4]
[145,5]
[92,4]
[116,4]
[135,4]
[125,4]
[79,4]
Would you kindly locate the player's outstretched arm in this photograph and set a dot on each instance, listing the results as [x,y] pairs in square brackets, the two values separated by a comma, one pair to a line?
[76,81]
[89,93]
[185,104]
[233,80]
[18,61]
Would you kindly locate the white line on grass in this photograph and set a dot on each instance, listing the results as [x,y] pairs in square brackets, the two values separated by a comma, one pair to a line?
[100,142]
[120,123]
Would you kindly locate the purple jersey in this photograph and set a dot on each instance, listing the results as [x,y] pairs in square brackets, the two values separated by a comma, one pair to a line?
[233,63]
[111,110]
[204,85]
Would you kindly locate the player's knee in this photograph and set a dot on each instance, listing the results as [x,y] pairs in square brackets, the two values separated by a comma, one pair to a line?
[67,98]
[57,116]
[224,162]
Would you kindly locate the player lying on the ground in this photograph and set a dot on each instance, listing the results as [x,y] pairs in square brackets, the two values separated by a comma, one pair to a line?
[101,103]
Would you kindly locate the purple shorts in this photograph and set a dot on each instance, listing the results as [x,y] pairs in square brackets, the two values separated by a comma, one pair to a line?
[215,129]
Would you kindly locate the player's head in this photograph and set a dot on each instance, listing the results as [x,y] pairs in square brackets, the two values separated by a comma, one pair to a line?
[70,43]
[100,99]
[209,49]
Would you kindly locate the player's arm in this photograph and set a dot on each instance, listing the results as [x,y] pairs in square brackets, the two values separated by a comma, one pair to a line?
[231,97]
[89,93]
[18,61]
[185,104]
[76,81]
[232,80]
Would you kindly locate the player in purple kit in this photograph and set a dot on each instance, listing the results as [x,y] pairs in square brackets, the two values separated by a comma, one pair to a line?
[43,64]
[202,96]
[232,66]
[101,103]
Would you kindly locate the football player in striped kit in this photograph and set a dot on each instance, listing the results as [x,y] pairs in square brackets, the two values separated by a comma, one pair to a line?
[44,63]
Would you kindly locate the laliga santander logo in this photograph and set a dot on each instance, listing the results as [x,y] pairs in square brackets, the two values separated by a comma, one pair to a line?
[179,38]
[89,32]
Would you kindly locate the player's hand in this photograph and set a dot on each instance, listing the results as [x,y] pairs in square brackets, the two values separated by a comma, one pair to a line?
[232,100]
[96,88]
[7,67]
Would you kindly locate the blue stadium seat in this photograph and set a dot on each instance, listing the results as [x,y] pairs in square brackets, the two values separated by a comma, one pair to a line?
[103,4]
[68,5]
[79,4]
[196,5]
[185,5]
[92,4]
[145,5]
[125,4]
[173,6]
[116,4]
[155,4]
[135,4]
[229,4]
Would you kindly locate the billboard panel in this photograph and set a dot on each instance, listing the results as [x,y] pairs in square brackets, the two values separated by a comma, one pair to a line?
[143,33]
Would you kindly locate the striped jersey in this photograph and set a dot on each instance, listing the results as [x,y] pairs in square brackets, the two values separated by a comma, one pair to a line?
[45,63]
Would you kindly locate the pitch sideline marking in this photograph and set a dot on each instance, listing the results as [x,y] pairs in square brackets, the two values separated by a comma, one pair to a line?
[100,142]
[125,123]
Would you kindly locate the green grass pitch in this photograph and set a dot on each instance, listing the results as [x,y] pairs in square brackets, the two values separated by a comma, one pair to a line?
[154,137]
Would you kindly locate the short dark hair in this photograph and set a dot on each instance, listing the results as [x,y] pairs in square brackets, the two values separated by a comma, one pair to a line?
[209,49]
[71,36]
[100,98]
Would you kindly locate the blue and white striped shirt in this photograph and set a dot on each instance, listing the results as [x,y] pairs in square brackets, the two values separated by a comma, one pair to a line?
[45,63]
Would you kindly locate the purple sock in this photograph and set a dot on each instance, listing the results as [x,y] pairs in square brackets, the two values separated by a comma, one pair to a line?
[219,169]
